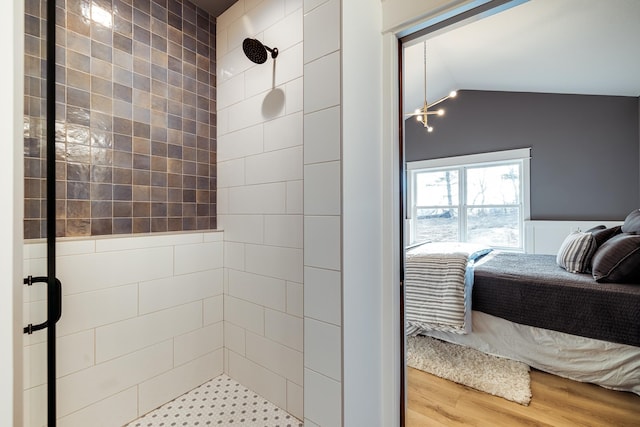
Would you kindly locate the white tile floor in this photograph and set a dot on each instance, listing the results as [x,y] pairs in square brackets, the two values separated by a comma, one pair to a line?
[219,402]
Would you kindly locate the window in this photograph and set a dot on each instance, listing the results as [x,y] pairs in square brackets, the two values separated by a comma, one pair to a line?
[481,198]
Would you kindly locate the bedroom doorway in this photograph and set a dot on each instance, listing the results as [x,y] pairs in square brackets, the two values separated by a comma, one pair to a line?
[429,73]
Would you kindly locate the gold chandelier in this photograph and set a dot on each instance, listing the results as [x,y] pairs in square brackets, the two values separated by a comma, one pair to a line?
[422,114]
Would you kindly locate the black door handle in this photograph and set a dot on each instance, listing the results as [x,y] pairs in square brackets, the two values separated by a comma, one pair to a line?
[30,328]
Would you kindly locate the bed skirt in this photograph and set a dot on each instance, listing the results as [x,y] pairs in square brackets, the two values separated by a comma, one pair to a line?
[610,365]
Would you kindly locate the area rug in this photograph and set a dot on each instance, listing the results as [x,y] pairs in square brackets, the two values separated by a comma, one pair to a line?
[494,375]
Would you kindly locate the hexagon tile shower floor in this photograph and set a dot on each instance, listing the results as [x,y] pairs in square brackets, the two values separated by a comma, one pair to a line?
[219,402]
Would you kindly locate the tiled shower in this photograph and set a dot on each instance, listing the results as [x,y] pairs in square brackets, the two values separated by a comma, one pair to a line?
[229,301]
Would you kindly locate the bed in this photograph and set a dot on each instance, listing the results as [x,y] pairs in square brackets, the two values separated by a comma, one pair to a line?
[528,308]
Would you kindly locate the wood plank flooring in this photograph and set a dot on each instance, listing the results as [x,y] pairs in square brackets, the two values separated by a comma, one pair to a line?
[556,402]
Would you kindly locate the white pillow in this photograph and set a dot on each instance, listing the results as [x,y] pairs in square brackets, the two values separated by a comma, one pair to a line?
[472,250]
[576,252]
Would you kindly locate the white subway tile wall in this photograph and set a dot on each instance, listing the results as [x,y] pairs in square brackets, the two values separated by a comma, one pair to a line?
[283,132]
[244,314]
[323,399]
[258,199]
[264,381]
[213,310]
[322,188]
[322,136]
[115,410]
[274,166]
[258,289]
[274,261]
[284,329]
[241,143]
[322,81]
[322,213]
[322,21]
[260,203]
[284,230]
[183,378]
[321,343]
[278,358]
[295,299]
[142,323]
[322,236]
[323,288]
[294,95]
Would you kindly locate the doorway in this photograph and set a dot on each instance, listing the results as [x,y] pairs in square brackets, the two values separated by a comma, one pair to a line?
[443,77]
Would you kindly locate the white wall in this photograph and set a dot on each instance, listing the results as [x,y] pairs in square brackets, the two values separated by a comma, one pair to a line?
[11,194]
[141,325]
[260,198]
[362,214]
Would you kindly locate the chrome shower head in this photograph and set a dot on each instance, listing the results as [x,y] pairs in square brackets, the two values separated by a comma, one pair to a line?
[256,51]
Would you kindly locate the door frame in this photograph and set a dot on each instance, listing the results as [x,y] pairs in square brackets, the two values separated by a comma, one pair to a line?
[11,213]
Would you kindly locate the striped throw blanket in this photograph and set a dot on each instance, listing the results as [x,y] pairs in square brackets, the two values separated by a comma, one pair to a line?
[434,289]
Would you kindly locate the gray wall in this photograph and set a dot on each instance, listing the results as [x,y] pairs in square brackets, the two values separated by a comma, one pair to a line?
[585,150]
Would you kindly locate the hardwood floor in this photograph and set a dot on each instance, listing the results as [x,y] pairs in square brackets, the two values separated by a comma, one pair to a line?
[556,402]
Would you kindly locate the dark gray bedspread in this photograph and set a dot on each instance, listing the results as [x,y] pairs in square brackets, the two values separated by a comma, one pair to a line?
[532,290]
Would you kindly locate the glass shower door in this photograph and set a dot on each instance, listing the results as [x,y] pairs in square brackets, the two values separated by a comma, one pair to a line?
[44,292]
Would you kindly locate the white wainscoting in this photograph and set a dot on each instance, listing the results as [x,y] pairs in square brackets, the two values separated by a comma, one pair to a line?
[545,237]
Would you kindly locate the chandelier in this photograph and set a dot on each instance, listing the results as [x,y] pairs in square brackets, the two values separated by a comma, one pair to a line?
[422,114]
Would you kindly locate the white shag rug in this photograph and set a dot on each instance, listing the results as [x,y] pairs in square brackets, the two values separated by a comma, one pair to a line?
[494,375]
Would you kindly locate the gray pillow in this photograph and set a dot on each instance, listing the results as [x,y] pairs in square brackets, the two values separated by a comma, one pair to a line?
[618,260]
[602,235]
[632,223]
[576,251]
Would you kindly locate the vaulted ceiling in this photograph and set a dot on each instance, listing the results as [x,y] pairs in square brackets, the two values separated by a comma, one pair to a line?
[567,46]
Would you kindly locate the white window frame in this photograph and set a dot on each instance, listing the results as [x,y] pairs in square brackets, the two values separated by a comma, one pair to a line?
[473,160]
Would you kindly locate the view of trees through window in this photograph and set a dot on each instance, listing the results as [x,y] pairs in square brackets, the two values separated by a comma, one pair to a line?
[480,204]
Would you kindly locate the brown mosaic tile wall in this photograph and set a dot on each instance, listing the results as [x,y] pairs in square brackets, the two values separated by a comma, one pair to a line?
[136,117]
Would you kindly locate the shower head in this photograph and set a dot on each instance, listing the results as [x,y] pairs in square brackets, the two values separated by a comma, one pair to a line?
[256,51]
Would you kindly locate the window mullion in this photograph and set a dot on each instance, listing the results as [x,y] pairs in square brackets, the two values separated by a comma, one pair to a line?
[462,204]
[414,208]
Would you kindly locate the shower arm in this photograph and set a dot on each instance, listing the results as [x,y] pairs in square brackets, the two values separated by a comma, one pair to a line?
[274,51]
